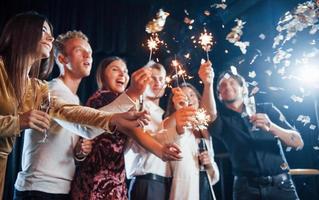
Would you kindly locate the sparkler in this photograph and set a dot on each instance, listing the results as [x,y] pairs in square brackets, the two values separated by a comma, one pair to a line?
[153,44]
[202,119]
[179,71]
[206,41]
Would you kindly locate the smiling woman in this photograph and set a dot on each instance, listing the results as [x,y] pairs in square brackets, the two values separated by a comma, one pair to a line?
[21,59]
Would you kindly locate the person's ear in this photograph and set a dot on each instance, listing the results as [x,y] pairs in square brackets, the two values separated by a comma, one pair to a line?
[63,59]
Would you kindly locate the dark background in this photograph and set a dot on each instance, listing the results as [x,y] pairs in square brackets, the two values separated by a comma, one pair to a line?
[118,28]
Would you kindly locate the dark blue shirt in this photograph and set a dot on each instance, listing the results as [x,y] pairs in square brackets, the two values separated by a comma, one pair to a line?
[252,153]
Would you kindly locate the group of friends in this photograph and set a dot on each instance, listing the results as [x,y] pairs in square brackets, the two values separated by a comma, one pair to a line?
[122,144]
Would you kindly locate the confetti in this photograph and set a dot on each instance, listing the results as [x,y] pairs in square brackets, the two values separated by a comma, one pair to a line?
[207,13]
[188,21]
[275,88]
[312,127]
[233,69]
[252,74]
[157,24]
[296,98]
[219,5]
[303,119]
[268,72]
[262,36]
[316,148]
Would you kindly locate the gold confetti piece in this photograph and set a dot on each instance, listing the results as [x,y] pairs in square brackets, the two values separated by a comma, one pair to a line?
[157,24]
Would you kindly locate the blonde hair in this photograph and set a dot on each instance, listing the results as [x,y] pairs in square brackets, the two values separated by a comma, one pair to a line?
[159,67]
[60,41]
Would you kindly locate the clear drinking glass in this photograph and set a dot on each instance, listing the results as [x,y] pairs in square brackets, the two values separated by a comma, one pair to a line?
[45,106]
[250,106]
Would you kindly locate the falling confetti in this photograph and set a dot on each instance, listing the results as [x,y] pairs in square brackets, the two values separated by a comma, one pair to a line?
[304,16]
[207,13]
[252,74]
[235,35]
[312,127]
[296,98]
[157,24]
[303,119]
[275,88]
[262,36]
[219,5]
[233,69]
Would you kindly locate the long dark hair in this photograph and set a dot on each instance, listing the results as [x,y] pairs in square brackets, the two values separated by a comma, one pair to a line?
[18,45]
[170,109]
[102,66]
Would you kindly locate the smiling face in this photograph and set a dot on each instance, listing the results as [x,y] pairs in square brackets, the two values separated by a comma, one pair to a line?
[230,90]
[157,85]
[78,58]
[115,76]
[45,44]
[191,96]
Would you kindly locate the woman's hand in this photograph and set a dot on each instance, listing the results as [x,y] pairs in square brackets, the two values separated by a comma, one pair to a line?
[184,117]
[86,146]
[34,119]
[179,98]
[204,158]
[139,80]
[171,152]
[83,148]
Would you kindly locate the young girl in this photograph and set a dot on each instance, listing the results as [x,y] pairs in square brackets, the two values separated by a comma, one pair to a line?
[187,173]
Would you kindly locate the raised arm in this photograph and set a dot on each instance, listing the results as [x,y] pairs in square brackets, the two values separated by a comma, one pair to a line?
[206,74]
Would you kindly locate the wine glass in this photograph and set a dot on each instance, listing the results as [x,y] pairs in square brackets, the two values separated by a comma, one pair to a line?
[250,106]
[45,106]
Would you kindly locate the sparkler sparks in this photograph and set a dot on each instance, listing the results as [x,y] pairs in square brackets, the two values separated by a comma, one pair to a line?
[206,41]
[202,119]
[153,44]
[179,72]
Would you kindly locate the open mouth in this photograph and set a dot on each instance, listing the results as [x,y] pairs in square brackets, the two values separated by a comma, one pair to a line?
[120,82]
[86,63]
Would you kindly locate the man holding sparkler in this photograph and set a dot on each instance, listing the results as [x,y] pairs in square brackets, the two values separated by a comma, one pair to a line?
[152,176]
[258,161]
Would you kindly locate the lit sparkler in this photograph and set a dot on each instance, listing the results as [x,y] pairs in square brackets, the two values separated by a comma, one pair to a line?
[153,43]
[202,119]
[179,71]
[206,40]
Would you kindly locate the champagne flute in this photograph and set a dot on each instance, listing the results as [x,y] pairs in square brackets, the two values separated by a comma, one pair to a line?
[250,106]
[45,106]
